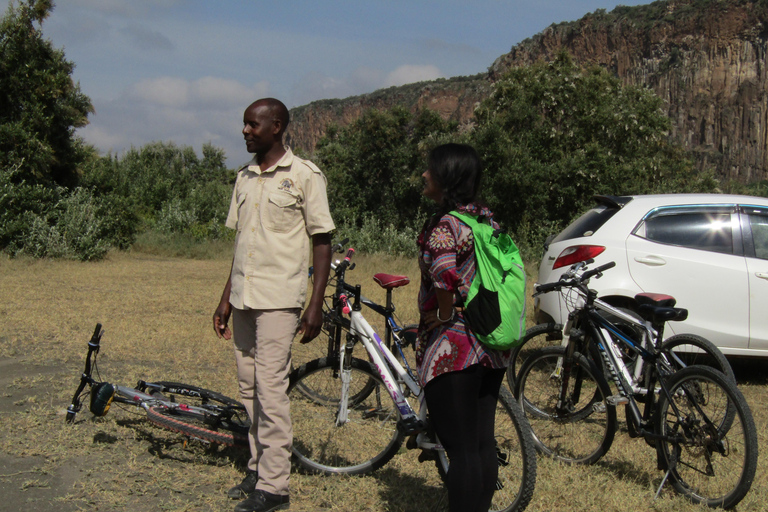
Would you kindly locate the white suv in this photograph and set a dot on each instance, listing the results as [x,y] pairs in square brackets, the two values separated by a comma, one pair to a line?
[709,251]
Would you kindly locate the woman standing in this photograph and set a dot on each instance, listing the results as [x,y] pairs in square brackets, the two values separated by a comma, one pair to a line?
[461,377]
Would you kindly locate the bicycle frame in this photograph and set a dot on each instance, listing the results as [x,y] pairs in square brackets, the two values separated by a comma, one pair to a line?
[382,357]
[385,362]
[605,335]
[633,377]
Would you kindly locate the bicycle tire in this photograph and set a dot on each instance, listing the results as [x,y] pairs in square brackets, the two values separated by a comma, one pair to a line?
[226,422]
[711,465]
[584,432]
[516,453]
[319,396]
[710,355]
[365,443]
[536,337]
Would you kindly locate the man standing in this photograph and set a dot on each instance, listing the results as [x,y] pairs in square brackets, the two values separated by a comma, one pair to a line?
[279,202]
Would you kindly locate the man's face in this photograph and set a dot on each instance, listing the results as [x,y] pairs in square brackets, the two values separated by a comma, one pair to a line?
[259,129]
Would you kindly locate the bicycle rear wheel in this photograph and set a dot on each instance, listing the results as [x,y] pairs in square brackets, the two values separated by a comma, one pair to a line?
[209,416]
[581,429]
[707,463]
[516,454]
[365,443]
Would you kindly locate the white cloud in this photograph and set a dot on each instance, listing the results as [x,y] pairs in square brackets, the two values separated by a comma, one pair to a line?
[164,91]
[409,74]
[172,109]
[203,93]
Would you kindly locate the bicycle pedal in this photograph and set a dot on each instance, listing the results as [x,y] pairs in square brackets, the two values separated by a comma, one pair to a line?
[617,400]
[410,426]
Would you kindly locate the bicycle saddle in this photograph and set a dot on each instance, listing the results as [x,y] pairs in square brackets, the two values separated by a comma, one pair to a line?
[656,299]
[658,308]
[389,281]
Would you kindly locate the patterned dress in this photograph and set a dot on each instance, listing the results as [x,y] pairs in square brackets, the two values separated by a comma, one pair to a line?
[447,261]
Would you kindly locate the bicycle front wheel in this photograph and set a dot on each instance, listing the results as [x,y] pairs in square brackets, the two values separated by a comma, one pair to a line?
[707,463]
[516,454]
[200,414]
[365,442]
[571,421]
[538,336]
[688,349]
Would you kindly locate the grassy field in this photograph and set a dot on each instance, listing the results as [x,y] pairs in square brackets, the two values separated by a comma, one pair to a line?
[157,315]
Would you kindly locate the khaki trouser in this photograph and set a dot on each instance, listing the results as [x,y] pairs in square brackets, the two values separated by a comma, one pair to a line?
[262,340]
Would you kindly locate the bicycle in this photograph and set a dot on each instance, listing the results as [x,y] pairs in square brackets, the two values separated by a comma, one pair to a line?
[681,349]
[335,323]
[361,416]
[196,412]
[695,417]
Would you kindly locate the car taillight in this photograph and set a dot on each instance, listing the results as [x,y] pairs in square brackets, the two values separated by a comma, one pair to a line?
[576,254]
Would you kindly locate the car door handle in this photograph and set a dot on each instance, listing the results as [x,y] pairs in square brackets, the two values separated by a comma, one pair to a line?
[762,275]
[653,261]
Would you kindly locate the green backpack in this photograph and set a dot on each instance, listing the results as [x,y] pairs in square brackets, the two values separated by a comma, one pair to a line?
[495,307]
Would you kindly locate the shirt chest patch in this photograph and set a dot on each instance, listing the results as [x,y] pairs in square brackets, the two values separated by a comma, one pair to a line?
[286,185]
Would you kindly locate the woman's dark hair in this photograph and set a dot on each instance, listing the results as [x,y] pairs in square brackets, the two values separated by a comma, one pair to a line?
[456,168]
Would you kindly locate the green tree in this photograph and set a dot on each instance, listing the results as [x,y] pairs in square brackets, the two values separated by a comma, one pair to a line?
[374,165]
[168,186]
[552,135]
[40,105]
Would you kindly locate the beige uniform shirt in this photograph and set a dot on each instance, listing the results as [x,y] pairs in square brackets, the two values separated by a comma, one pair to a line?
[275,212]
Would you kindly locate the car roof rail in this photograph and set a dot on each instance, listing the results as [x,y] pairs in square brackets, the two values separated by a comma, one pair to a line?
[617,202]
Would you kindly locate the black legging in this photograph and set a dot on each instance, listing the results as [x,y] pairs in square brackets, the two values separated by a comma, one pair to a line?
[462,409]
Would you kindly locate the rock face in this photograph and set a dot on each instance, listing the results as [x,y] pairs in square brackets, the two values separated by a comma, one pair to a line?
[455,99]
[705,58]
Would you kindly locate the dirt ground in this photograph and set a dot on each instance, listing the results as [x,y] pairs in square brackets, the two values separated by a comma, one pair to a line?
[26,483]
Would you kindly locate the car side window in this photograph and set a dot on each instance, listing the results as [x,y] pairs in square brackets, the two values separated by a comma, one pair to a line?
[759,226]
[703,229]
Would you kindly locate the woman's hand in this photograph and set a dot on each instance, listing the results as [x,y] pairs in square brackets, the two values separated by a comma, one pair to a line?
[433,320]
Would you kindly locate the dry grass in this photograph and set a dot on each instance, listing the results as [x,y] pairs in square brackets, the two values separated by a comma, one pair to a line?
[157,316]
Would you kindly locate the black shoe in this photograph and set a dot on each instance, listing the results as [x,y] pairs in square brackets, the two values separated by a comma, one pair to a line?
[263,501]
[244,488]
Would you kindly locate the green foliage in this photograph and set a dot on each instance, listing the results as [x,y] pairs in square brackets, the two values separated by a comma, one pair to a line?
[372,236]
[374,165]
[42,212]
[169,187]
[52,221]
[40,105]
[552,135]
[758,189]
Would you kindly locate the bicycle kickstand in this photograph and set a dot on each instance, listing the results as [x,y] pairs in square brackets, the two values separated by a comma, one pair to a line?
[663,481]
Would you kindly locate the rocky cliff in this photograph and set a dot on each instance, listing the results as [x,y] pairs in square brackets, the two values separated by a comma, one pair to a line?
[454,99]
[705,58]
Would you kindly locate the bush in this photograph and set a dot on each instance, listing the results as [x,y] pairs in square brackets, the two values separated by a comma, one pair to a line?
[44,221]
[373,236]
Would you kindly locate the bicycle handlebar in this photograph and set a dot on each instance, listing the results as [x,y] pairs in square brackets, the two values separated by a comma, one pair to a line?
[572,279]
[339,246]
[595,271]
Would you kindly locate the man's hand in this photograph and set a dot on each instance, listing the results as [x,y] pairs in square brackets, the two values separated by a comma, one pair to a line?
[220,320]
[312,320]
[221,315]
[311,324]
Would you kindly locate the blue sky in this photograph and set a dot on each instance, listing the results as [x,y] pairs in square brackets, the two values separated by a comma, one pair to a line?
[184,70]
